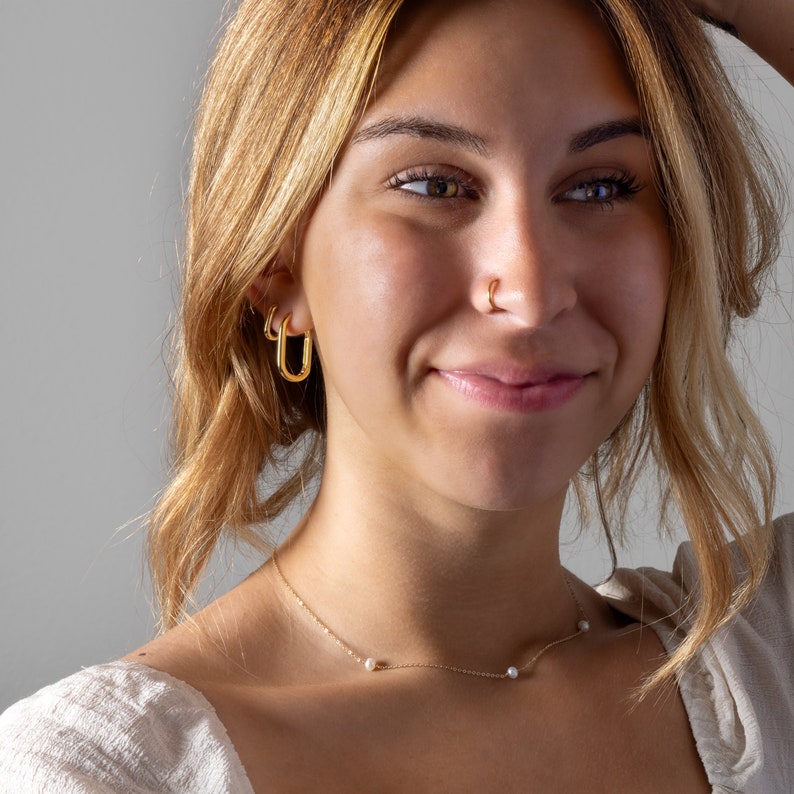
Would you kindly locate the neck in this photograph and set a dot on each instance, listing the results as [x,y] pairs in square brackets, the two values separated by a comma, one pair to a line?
[407,580]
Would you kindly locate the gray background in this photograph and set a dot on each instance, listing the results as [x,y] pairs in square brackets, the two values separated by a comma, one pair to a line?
[96,97]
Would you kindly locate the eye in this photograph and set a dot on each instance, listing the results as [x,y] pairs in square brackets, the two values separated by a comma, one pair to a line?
[594,191]
[435,187]
[434,184]
[603,191]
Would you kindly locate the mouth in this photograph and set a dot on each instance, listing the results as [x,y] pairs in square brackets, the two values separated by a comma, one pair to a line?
[510,389]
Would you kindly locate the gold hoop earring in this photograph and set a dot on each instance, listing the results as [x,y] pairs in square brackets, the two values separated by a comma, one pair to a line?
[269,335]
[281,354]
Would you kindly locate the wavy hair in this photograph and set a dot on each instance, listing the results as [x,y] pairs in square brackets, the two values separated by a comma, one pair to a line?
[288,82]
[722,196]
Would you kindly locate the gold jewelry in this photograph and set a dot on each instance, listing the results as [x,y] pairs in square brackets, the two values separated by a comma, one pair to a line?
[371,664]
[281,354]
[491,290]
[269,335]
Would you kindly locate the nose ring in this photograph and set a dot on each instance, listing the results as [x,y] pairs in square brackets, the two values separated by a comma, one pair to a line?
[491,290]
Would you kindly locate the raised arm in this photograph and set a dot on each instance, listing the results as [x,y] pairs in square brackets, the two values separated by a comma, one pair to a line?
[766,26]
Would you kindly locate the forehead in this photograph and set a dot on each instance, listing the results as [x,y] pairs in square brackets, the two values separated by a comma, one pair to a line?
[484,63]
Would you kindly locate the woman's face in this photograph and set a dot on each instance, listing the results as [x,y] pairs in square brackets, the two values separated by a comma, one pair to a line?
[503,142]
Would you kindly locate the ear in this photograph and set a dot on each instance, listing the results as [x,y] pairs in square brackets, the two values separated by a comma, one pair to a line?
[279,285]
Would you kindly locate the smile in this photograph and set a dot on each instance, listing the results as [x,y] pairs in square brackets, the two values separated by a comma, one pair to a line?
[511,391]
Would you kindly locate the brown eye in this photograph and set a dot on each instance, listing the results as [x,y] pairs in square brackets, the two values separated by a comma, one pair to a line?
[433,187]
[440,188]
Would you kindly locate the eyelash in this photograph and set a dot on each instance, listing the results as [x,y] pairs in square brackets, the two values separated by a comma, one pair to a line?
[626,183]
[464,183]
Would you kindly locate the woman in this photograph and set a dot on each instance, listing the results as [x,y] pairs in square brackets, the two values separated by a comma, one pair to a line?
[510,243]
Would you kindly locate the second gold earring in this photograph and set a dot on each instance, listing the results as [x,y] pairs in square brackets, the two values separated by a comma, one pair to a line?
[271,313]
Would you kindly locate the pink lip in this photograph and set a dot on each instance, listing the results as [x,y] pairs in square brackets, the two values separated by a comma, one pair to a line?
[513,389]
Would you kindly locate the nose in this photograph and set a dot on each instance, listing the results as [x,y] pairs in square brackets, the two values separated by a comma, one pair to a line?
[525,272]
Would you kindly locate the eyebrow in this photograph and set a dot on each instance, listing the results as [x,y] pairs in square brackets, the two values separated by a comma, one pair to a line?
[419,127]
[608,131]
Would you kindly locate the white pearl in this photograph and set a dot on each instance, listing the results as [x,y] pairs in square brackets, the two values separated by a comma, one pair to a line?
[512,672]
[583,625]
[370,664]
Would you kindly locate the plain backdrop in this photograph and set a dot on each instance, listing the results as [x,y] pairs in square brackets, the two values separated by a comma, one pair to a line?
[96,99]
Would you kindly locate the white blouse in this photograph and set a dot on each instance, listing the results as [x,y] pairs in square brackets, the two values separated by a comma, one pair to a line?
[124,727]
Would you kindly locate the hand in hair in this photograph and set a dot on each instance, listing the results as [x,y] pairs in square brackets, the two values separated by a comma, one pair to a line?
[766,26]
[720,13]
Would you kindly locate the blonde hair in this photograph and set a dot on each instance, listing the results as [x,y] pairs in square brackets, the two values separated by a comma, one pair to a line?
[285,89]
[287,81]
[714,461]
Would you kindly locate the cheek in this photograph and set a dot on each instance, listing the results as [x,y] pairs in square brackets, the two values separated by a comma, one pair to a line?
[631,295]
[370,290]
[376,281]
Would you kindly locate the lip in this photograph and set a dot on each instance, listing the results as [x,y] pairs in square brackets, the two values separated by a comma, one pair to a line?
[509,388]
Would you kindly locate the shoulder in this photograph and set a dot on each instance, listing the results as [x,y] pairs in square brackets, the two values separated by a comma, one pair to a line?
[739,690]
[117,727]
[776,597]
[652,597]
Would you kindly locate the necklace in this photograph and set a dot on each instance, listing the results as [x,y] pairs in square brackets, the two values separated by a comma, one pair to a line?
[371,664]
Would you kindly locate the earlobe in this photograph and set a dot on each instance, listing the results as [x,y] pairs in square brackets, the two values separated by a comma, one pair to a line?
[279,297]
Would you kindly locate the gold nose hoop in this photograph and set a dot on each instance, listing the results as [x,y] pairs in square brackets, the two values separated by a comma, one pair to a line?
[491,290]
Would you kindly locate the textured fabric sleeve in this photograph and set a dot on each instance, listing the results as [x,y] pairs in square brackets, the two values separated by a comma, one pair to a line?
[739,690]
[119,727]
[761,645]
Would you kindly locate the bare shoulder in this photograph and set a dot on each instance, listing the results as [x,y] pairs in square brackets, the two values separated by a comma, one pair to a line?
[233,639]
[241,654]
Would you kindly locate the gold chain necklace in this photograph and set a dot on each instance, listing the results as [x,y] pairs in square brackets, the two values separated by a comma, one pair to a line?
[371,664]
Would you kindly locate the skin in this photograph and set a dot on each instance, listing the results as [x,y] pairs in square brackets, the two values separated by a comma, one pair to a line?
[434,536]
[401,295]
